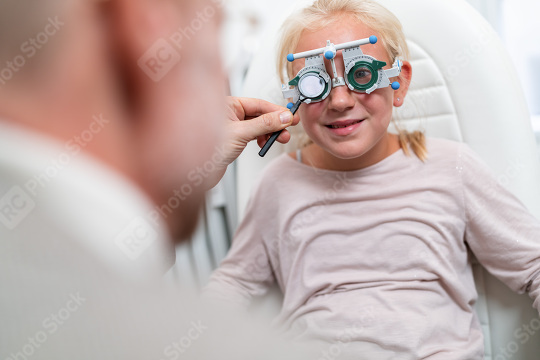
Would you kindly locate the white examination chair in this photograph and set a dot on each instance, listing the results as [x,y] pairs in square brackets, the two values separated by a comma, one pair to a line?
[464,88]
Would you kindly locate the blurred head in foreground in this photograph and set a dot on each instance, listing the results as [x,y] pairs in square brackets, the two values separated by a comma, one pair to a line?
[152,69]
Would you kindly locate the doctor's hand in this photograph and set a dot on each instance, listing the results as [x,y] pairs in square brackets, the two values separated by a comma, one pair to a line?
[251,119]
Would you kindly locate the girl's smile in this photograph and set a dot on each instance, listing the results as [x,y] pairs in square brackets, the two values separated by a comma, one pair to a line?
[344,127]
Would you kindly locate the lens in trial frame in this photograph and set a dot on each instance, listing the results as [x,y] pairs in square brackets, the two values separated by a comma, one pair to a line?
[364,73]
[311,86]
[362,76]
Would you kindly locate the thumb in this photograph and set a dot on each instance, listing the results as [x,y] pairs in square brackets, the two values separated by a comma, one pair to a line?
[266,124]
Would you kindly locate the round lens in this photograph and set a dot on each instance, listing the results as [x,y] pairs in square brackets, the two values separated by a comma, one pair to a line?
[311,86]
[362,76]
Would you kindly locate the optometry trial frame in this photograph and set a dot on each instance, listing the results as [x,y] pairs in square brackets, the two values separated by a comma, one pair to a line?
[363,74]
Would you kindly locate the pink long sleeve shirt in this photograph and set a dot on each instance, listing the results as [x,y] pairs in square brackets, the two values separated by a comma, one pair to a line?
[379,259]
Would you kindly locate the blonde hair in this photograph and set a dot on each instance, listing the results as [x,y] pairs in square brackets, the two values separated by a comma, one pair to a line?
[324,13]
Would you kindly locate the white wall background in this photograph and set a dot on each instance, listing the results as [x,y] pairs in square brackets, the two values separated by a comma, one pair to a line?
[520,30]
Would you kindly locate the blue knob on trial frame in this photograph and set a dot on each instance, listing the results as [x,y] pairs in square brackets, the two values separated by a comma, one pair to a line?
[290,105]
[395,85]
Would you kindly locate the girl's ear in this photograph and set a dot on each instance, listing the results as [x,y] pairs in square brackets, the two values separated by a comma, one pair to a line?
[404,80]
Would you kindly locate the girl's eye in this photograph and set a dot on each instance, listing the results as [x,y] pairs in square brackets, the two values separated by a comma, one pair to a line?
[362,76]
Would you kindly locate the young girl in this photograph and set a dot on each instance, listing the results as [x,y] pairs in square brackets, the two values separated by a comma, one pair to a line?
[368,234]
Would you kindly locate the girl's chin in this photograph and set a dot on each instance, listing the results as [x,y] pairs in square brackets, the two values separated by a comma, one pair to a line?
[346,153]
[345,150]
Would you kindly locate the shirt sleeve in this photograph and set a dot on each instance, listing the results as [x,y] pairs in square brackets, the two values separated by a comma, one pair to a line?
[246,271]
[500,231]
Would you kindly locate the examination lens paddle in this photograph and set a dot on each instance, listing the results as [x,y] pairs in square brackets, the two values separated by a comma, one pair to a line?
[275,135]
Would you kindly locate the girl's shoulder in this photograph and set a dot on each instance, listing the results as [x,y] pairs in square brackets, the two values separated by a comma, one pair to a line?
[449,156]
[441,147]
[444,151]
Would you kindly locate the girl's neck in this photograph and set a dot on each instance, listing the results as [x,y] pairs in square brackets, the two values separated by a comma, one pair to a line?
[316,156]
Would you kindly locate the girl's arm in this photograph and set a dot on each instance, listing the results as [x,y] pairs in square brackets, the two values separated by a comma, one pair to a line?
[501,232]
[246,272]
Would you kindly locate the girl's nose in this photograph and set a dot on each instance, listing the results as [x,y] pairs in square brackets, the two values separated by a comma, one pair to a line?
[341,99]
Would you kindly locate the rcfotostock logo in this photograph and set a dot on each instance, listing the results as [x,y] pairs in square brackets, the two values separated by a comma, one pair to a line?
[15,206]
[176,349]
[163,56]
[159,60]
[49,326]
[136,238]
[19,202]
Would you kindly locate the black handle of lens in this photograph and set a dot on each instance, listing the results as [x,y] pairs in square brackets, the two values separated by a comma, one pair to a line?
[275,135]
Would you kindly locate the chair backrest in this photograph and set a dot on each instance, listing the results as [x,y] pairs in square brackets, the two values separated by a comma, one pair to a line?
[464,88]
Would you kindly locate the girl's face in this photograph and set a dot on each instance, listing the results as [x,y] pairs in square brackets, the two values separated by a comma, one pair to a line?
[362,119]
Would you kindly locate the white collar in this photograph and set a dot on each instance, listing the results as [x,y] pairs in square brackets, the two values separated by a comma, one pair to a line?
[83,200]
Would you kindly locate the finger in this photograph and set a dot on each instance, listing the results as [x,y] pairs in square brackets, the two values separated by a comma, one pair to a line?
[256,107]
[296,119]
[283,138]
[295,122]
[266,124]
[261,140]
